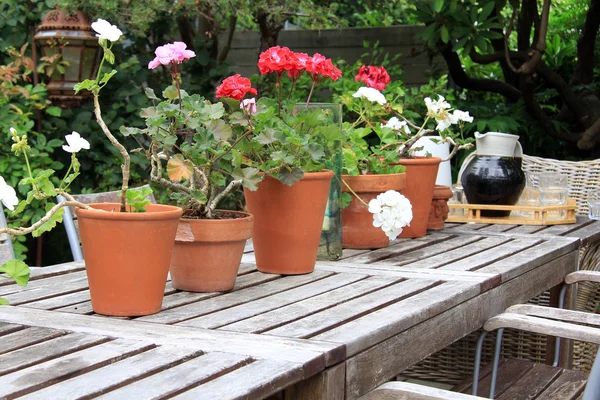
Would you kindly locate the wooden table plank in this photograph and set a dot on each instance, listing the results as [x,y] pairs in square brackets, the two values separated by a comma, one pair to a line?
[38,376]
[227,300]
[343,313]
[37,293]
[265,304]
[400,246]
[54,270]
[6,328]
[431,251]
[310,353]
[277,317]
[117,374]
[27,337]
[180,377]
[48,350]
[450,255]
[52,281]
[258,379]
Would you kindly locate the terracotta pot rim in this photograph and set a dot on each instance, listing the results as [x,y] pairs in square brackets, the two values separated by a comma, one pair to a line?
[326,173]
[373,183]
[154,212]
[419,161]
[247,215]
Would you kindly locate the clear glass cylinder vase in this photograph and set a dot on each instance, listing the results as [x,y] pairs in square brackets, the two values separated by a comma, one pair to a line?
[330,247]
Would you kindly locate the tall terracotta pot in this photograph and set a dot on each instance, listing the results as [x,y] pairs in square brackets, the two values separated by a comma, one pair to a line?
[421,173]
[208,252]
[288,222]
[358,231]
[127,256]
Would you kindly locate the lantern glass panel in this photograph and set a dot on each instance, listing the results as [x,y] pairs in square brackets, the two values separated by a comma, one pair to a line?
[89,58]
[73,56]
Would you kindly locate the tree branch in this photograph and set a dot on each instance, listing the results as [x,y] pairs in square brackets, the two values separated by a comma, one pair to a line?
[584,69]
[230,31]
[590,136]
[461,78]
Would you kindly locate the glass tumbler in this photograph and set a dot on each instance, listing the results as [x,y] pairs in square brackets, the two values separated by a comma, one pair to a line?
[594,203]
[554,190]
[530,197]
[458,197]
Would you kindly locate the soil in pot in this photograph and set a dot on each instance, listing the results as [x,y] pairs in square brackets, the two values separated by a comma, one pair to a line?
[127,256]
[358,231]
[208,252]
[288,222]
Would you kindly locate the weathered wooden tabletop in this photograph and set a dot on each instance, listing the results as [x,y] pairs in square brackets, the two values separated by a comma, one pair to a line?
[338,332]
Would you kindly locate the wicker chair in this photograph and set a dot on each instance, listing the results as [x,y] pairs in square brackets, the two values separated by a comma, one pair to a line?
[454,363]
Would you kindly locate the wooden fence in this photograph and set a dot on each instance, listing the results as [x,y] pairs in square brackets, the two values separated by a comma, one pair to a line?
[344,43]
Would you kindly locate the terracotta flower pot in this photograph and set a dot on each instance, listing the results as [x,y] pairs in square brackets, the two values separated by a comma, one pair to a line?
[208,252]
[288,222]
[358,231]
[438,212]
[421,173]
[127,256]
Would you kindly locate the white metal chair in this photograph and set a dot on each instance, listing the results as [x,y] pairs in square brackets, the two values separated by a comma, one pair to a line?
[6,248]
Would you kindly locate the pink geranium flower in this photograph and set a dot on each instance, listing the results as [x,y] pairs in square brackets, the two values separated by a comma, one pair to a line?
[171,53]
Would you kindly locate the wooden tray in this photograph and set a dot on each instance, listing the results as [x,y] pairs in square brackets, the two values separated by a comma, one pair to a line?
[472,213]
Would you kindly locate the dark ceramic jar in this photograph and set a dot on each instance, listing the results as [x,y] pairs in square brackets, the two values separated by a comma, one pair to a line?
[493,180]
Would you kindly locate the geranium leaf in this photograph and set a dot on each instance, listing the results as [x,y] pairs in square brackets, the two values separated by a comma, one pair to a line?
[315,150]
[150,94]
[179,168]
[249,176]
[219,129]
[266,136]
[52,221]
[290,176]
[17,270]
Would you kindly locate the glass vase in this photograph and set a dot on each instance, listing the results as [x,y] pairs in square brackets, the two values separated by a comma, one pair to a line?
[330,247]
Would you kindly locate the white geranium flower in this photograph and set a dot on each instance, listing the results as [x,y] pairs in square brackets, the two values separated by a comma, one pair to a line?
[397,124]
[444,123]
[106,30]
[12,131]
[370,94]
[75,143]
[436,107]
[391,212]
[8,196]
[462,116]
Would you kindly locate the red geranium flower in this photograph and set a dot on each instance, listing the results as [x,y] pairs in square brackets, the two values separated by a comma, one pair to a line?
[299,65]
[235,87]
[276,59]
[374,77]
[319,67]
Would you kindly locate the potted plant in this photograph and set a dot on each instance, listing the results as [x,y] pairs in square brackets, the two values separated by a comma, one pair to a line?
[127,245]
[289,149]
[396,138]
[191,151]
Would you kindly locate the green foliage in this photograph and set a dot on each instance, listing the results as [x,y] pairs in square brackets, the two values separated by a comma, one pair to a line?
[138,199]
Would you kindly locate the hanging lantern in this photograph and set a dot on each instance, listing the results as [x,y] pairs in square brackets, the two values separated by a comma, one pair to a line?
[69,48]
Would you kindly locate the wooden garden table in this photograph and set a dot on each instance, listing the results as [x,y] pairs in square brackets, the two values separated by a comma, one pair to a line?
[340,331]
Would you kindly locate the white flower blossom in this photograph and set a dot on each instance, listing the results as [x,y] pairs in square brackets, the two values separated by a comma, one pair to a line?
[391,212]
[249,105]
[106,30]
[462,116]
[370,94]
[75,143]
[12,131]
[8,196]
[396,124]
[436,107]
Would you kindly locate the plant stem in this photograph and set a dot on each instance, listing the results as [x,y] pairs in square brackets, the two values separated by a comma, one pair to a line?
[215,202]
[24,231]
[126,159]
[67,174]
[278,85]
[310,93]
[354,193]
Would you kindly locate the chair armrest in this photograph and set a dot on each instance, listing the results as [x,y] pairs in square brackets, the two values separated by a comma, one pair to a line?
[543,326]
[558,314]
[582,276]
[412,391]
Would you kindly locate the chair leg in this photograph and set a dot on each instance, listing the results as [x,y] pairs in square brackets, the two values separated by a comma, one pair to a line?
[561,304]
[477,366]
[496,362]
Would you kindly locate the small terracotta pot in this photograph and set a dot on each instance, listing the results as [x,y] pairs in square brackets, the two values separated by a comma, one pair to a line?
[288,222]
[208,252]
[358,231]
[438,212]
[421,173]
[127,256]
